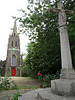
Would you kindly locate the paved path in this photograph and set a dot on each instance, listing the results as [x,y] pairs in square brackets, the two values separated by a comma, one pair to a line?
[20,81]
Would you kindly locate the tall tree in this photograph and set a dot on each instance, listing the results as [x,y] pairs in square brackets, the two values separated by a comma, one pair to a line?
[42,28]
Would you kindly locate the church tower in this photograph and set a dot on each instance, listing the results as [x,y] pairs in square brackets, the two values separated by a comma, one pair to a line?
[13,53]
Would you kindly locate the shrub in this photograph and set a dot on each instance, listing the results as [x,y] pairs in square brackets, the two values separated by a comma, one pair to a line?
[46,79]
[24,74]
[7,83]
[6,75]
[13,85]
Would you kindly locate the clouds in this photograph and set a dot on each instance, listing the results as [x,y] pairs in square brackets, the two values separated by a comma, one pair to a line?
[9,8]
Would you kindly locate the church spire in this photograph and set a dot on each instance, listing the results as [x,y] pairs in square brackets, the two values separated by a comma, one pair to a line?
[14,28]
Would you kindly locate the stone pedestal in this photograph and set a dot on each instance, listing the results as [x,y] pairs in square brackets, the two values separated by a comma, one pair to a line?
[46,94]
[67,73]
[66,84]
[63,87]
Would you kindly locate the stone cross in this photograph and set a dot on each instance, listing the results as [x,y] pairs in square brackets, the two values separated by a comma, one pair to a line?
[65,47]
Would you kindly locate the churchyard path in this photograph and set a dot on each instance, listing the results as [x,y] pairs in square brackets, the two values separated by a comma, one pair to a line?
[26,83]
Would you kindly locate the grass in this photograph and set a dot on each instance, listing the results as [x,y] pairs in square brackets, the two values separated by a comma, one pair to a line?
[29,87]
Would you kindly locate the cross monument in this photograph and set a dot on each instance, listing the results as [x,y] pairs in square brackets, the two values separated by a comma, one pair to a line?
[66,84]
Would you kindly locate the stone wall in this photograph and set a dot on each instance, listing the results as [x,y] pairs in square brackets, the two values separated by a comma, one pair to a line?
[2,67]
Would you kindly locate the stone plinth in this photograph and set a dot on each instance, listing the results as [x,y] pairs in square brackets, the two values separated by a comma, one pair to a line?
[67,73]
[63,87]
[46,94]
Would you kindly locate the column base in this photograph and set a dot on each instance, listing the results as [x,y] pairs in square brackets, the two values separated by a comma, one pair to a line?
[63,87]
[67,73]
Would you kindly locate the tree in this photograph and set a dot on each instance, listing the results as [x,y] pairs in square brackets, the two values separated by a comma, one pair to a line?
[44,49]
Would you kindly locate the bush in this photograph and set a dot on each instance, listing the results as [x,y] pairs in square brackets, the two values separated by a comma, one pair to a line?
[13,85]
[46,79]
[7,83]
[24,74]
[6,75]
[25,71]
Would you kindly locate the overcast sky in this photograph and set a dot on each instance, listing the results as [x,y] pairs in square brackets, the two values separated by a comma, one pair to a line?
[9,8]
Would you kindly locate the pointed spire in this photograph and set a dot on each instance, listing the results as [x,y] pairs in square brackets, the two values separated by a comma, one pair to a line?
[14,28]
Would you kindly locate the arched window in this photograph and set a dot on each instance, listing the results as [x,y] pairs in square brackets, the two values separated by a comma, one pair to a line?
[12,43]
[16,43]
[14,34]
[13,60]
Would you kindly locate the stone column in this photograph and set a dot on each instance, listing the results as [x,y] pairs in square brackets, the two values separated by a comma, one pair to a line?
[66,60]
[64,41]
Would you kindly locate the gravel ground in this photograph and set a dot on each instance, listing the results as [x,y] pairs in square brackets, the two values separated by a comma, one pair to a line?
[26,81]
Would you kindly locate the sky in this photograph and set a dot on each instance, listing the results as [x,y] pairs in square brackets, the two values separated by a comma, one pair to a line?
[9,8]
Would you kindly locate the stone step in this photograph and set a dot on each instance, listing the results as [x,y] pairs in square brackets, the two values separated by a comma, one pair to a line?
[33,95]
[46,94]
[43,94]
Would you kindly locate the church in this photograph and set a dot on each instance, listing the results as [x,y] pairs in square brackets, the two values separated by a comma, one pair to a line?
[12,64]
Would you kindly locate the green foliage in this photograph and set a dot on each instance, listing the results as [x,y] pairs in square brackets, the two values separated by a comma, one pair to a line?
[72,43]
[13,85]
[42,28]
[25,71]
[7,83]
[15,96]
[6,75]
[46,79]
